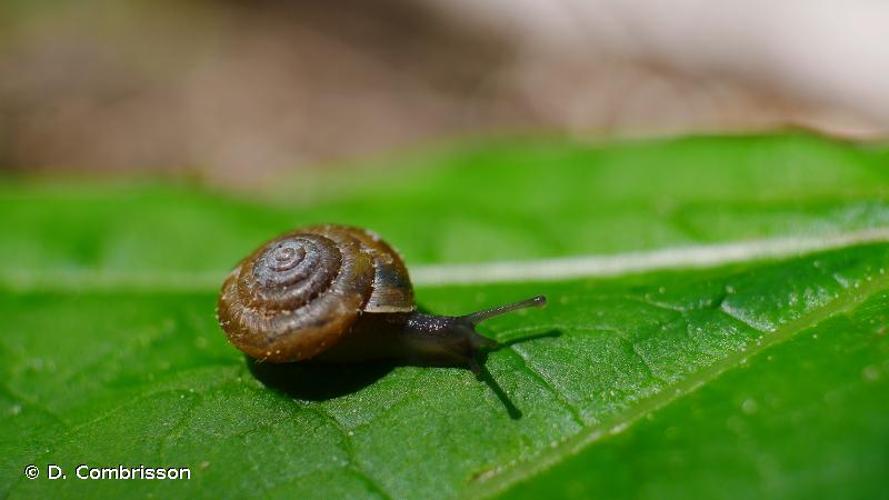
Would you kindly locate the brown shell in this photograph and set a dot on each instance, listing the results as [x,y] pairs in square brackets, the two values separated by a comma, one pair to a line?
[298,294]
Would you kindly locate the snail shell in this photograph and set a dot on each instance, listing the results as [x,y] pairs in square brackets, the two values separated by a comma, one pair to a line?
[298,294]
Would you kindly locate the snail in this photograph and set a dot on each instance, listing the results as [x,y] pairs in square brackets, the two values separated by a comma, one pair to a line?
[341,294]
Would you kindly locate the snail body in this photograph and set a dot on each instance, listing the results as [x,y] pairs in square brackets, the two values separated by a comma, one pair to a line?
[341,294]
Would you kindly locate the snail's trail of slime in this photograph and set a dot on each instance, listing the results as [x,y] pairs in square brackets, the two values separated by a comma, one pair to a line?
[590,266]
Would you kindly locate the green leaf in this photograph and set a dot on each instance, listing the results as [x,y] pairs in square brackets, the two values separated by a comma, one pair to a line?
[722,305]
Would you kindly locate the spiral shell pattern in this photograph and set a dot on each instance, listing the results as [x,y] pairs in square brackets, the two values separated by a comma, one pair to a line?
[298,294]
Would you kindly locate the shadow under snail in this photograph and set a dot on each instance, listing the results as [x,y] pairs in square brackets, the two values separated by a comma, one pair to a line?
[342,294]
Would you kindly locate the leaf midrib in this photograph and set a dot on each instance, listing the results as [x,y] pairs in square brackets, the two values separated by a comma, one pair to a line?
[497,480]
[438,275]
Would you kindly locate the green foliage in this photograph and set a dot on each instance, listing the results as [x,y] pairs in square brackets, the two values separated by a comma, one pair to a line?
[759,378]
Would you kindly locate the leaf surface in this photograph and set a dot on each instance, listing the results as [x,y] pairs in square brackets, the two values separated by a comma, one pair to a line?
[758,376]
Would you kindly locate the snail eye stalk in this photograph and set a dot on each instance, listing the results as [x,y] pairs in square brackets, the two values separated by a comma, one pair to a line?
[483,343]
[479,316]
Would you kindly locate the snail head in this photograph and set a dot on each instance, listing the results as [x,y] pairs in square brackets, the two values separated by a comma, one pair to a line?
[454,339]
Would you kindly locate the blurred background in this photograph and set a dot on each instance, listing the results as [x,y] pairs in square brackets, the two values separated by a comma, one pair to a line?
[237,92]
